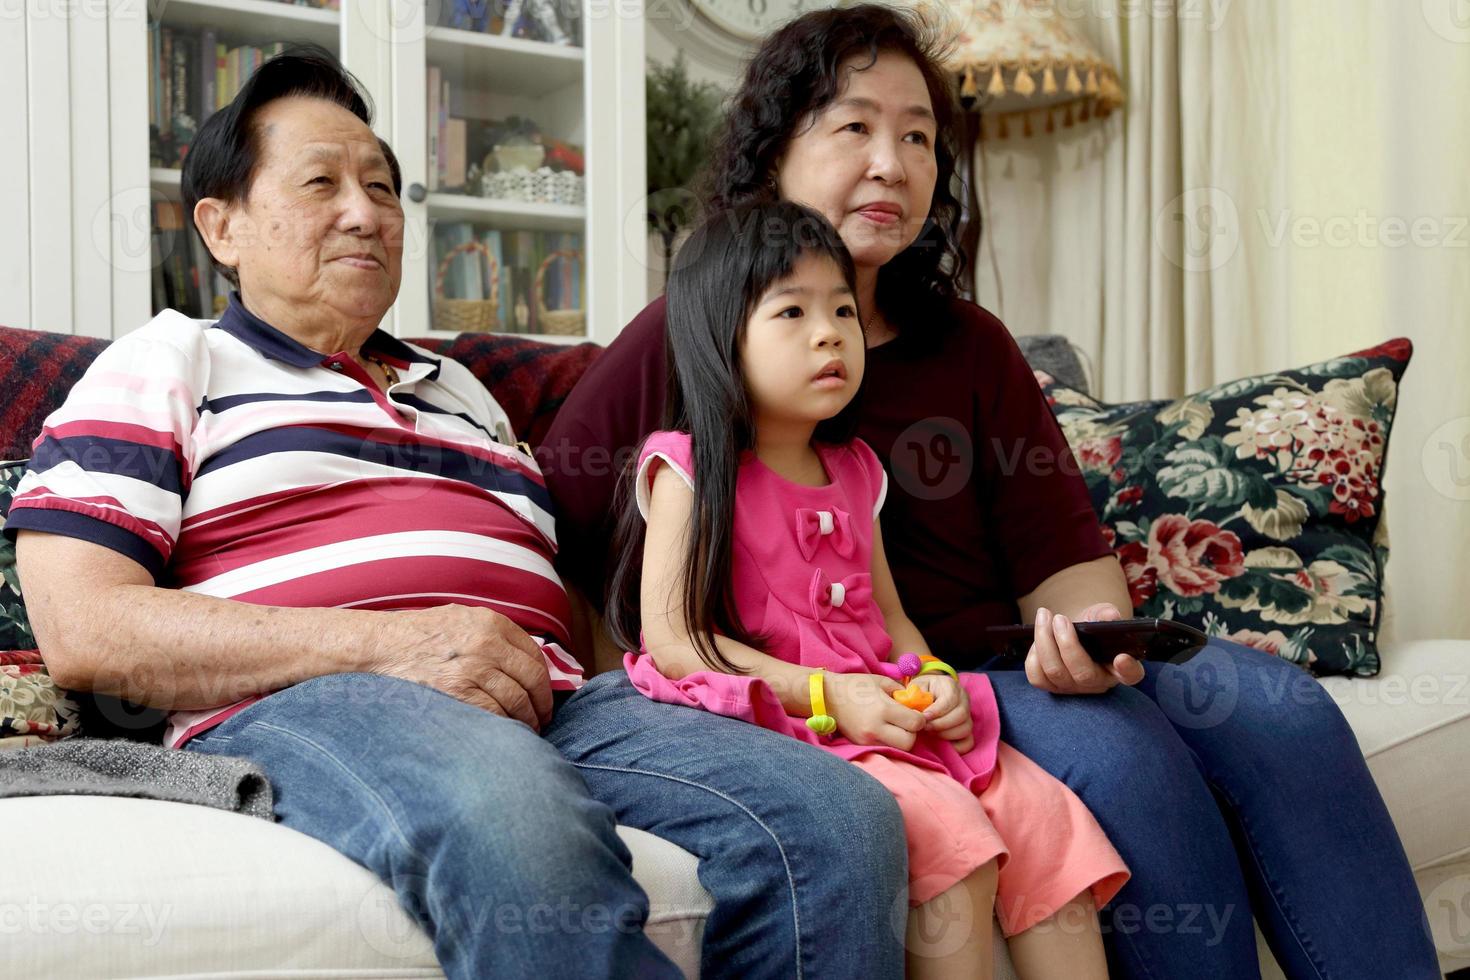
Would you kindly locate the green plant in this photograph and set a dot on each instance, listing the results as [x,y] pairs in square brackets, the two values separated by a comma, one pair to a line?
[682,115]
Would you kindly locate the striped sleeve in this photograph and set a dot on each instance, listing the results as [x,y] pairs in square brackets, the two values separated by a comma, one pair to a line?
[111,464]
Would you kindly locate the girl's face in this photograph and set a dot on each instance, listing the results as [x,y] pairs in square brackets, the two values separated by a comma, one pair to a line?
[802,354]
[866,161]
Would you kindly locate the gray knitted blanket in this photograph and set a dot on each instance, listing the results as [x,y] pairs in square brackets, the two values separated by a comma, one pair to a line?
[118,767]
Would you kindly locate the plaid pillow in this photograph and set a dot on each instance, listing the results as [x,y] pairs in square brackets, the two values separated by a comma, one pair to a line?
[530,379]
[15,628]
[1254,509]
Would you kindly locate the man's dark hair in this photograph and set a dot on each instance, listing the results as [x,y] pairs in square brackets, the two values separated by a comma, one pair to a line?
[222,158]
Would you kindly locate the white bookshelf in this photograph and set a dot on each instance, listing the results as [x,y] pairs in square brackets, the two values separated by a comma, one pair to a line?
[164,177]
[591,96]
[507,65]
[265,19]
[507,215]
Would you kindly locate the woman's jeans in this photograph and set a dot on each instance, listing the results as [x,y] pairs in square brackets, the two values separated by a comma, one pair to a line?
[1231,785]
[485,833]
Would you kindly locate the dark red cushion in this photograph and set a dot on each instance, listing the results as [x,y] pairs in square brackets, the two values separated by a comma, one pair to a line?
[530,379]
[38,370]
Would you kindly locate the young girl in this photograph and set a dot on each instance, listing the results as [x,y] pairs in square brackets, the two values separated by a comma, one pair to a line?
[761,592]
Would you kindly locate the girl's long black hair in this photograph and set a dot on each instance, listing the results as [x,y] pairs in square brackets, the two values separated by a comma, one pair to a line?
[718,278]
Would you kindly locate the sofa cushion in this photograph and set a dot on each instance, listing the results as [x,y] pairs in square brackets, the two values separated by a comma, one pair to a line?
[1413,725]
[1252,509]
[32,708]
[15,627]
[39,369]
[529,379]
[1055,355]
[198,891]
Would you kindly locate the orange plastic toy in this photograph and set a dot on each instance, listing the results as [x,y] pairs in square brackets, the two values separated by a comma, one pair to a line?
[913,697]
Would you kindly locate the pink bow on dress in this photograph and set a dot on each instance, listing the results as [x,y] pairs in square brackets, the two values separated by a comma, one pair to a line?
[812,526]
[837,600]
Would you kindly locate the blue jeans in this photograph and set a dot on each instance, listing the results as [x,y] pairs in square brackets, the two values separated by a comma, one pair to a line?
[803,852]
[485,833]
[1232,786]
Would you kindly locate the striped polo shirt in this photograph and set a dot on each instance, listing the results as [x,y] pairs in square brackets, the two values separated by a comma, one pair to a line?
[231,460]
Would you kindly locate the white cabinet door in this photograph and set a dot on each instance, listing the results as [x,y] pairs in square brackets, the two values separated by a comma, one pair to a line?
[15,175]
[590,96]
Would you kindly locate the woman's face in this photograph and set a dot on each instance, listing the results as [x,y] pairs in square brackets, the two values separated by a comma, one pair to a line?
[866,160]
[321,230]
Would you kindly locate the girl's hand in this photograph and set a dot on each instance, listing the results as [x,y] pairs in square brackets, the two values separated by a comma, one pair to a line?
[1058,664]
[866,713]
[949,715]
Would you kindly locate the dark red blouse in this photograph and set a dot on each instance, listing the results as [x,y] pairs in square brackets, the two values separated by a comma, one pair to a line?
[985,500]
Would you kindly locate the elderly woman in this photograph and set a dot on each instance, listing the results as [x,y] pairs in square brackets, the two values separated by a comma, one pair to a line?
[319,547]
[1209,799]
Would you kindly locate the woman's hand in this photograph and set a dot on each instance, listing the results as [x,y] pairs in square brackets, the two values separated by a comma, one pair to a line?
[866,714]
[949,715]
[1058,664]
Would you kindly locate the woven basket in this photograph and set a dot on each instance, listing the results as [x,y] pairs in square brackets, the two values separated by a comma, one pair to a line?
[467,315]
[568,323]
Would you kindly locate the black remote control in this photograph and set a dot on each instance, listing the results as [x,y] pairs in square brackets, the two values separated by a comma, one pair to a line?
[1147,639]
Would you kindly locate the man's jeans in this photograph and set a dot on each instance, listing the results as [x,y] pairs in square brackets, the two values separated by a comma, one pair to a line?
[1231,785]
[803,852]
[487,835]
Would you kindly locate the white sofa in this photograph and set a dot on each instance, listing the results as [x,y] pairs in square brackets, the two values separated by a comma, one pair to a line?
[234,896]
[120,887]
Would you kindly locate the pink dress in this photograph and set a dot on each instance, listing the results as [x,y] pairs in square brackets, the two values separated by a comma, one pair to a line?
[803,579]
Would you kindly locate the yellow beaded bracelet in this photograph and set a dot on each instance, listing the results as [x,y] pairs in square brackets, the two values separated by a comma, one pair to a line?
[937,666]
[820,722]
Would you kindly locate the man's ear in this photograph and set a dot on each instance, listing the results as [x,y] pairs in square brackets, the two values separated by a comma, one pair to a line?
[215,220]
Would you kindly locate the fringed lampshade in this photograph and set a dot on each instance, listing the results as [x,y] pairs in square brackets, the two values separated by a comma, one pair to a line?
[1021,66]
[1027,67]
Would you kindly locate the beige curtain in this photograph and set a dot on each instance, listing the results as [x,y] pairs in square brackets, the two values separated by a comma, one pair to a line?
[1288,182]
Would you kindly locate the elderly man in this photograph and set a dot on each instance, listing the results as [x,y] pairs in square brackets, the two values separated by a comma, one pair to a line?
[320,549]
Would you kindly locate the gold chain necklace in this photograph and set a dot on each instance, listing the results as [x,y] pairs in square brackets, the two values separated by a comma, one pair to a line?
[389,371]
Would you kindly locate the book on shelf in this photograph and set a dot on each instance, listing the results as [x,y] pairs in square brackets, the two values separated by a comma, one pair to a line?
[433,84]
[454,155]
[184,277]
[495,275]
[191,74]
[442,122]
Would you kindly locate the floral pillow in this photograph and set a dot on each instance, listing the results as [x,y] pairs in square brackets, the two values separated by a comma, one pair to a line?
[15,628]
[1254,509]
[33,709]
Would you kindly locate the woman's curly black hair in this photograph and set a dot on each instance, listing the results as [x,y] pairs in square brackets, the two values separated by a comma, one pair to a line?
[796,73]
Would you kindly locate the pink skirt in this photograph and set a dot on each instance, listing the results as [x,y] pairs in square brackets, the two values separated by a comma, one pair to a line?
[1047,844]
